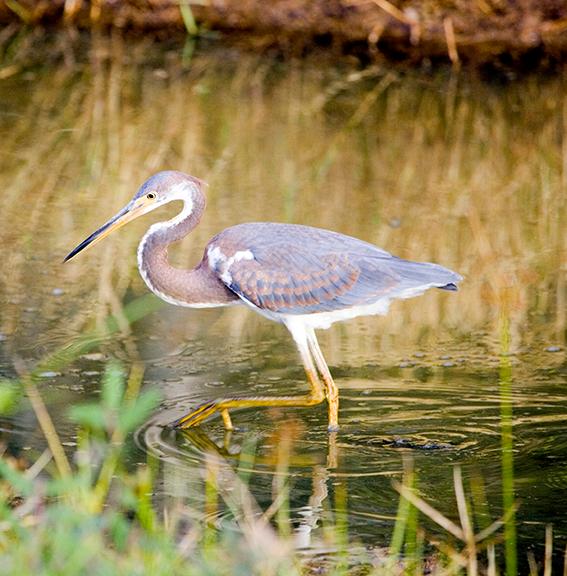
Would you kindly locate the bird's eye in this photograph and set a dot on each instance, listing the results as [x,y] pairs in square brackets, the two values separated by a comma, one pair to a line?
[150,196]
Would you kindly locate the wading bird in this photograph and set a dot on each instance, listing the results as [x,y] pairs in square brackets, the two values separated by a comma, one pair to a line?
[305,278]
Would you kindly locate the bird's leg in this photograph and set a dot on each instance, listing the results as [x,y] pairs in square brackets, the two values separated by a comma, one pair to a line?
[331,388]
[226,420]
[333,451]
[222,405]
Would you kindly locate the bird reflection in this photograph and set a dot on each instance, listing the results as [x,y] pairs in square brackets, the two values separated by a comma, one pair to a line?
[279,459]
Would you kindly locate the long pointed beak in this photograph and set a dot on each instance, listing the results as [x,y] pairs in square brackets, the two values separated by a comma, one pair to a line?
[130,212]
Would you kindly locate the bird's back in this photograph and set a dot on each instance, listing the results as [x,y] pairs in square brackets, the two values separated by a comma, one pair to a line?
[291,269]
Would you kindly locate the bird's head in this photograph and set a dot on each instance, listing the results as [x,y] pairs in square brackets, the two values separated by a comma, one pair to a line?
[159,189]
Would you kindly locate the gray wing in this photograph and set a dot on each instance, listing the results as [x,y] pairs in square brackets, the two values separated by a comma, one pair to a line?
[292,269]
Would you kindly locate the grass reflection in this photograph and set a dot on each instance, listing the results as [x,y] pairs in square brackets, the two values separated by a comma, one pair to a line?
[429,169]
[507,439]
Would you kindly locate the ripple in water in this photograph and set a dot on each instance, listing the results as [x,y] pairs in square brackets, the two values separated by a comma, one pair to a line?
[376,427]
[439,423]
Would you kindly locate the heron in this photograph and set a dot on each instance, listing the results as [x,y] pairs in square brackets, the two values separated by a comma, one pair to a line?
[303,277]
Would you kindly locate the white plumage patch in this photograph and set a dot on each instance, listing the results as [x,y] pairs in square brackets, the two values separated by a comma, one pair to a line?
[215,256]
[181,191]
[222,264]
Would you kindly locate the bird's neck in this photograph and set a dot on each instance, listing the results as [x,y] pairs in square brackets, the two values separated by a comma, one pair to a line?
[194,288]
[164,233]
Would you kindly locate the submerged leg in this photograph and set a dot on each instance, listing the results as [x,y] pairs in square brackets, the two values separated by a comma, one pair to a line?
[226,419]
[222,405]
[331,389]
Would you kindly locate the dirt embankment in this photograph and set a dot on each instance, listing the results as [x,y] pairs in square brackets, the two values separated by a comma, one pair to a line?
[458,30]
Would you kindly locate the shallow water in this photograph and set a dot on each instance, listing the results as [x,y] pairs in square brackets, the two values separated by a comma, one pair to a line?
[467,172]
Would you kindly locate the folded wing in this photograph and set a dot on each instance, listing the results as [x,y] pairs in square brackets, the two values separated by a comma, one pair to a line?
[303,270]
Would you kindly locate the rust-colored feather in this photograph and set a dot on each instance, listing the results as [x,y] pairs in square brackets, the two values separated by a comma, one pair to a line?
[292,269]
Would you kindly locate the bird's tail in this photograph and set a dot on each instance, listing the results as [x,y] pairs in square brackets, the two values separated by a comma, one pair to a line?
[426,273]
[451,286]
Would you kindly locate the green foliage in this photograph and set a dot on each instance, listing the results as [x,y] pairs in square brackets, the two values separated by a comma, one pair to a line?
[16,480]
[101,518]
[114,412]
[10,394]
[188,18]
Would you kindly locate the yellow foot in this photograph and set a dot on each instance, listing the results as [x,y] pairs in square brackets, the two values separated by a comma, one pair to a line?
[202,413]
[222,405]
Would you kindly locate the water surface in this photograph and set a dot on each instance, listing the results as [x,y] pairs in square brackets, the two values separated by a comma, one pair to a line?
[465,172]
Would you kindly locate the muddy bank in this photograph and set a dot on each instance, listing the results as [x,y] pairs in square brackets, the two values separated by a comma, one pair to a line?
[455,30]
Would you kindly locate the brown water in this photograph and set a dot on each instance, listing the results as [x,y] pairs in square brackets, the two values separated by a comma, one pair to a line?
[462,171]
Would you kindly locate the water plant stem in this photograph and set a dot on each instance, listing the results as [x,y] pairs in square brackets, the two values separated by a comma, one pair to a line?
[44,419]
[506,423]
